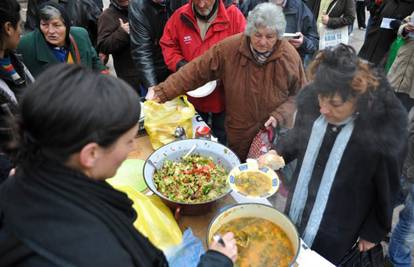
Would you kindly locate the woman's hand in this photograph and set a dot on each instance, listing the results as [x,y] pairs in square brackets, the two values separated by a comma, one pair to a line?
[297,42]
[124,26]
[151,95]
[271,122]
[325,19]
[230,247]
[409,27]
[365,245]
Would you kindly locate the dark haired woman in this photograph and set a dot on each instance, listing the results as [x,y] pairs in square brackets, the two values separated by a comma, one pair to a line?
[14,76]
[55,41]
[349,138]
[74,132]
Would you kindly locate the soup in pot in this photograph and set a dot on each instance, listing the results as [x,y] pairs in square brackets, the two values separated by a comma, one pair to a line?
[260,242]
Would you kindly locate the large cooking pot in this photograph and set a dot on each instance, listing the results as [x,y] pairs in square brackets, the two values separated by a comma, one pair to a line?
[259,211]
[174,151]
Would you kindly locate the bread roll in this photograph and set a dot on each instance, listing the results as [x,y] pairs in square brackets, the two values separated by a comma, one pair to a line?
[274,161]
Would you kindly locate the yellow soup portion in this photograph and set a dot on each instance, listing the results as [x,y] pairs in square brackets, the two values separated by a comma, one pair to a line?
[253,183]
[260,242]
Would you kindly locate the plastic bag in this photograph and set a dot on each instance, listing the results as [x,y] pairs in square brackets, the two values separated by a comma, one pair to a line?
[187,253]
[261,143]
[395,46]
[331,37]
[161,120]
[155,219]
[371,258]
[130,173]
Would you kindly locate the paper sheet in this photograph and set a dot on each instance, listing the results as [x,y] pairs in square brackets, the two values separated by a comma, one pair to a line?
[386,23]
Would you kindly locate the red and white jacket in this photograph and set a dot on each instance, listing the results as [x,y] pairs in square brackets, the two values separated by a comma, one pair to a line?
[181,40]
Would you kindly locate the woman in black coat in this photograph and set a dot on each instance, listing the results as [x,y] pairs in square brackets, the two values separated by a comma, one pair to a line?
[349,138]
[57,210]
[378,40]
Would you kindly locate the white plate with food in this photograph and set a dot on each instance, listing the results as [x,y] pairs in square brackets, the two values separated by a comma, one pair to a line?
[251,181]
[204,90]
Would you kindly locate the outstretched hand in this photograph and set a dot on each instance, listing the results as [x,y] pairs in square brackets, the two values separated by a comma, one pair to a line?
[151,95]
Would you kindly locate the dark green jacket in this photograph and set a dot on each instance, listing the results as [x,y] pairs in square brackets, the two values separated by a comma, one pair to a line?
[37,55]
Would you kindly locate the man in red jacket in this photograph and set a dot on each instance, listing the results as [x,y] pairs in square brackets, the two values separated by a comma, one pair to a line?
[192,30]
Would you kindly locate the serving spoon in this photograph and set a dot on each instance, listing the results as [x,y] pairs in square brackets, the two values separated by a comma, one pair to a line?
[190,151]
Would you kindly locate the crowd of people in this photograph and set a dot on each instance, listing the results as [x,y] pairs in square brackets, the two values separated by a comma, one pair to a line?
[66,123]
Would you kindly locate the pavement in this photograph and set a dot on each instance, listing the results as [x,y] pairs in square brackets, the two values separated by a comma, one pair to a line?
[357,38]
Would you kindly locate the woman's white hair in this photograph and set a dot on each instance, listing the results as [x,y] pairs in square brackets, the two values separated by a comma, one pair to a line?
[50,12]
[266,15]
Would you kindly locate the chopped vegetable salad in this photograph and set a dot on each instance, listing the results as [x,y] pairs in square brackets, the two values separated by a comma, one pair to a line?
[192,180]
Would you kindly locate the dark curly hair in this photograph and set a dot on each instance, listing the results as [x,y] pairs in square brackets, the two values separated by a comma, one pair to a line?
[339,70]
[380,114]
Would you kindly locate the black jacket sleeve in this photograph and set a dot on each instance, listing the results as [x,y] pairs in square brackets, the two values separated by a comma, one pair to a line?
[142,48]
[214,258]
[343,14]
[387,185]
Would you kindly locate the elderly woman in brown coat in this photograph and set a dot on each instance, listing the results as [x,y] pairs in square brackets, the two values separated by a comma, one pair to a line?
[260,71]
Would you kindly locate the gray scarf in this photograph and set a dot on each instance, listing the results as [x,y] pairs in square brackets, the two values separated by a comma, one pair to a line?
[300,194]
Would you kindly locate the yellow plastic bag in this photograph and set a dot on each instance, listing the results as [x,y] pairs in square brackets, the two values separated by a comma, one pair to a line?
[161,120]
[155,219]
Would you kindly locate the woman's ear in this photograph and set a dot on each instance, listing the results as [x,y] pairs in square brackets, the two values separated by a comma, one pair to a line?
[8,28]
[89,155]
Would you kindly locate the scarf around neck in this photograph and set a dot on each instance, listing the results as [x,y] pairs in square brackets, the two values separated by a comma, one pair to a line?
[260,58]
[7,68]
[301,190]
[72,220]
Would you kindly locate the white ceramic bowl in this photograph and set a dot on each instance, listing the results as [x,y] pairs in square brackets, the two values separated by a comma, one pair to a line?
[204,90]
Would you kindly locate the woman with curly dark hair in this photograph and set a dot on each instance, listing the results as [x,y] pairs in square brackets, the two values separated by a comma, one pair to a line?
[349,138]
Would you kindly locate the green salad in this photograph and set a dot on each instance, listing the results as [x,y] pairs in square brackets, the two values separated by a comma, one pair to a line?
[192,180]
